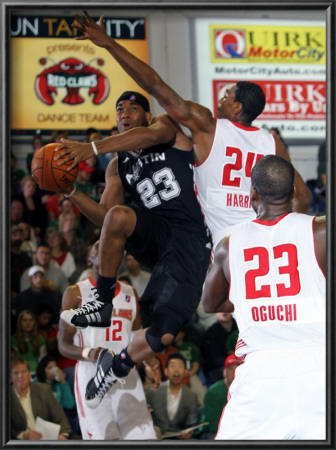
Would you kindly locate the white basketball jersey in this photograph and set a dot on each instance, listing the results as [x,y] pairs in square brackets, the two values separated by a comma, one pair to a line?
[276,284]
[122,413]
[118,335]
[223,180]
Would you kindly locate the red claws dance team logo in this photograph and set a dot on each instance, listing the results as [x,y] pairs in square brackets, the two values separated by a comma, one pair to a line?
[72,74]
[230,43]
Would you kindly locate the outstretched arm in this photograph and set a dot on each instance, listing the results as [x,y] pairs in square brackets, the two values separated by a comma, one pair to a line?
[216,285]
[162,130]
[192,115]
[302,199]
[113,195]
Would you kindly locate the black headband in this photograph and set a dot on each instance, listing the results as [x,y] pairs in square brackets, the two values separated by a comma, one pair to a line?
[136,98]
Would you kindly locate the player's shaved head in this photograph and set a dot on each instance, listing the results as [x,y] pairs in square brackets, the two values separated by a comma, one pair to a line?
[273,179]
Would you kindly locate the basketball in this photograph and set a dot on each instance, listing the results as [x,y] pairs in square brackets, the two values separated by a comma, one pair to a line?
[47,173]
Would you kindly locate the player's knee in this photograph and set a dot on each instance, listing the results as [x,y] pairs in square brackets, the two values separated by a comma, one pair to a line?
[167,339]
[117,218]
[154,342]
[158,343]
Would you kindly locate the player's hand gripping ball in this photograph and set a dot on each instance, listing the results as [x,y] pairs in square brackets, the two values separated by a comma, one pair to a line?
[47,173]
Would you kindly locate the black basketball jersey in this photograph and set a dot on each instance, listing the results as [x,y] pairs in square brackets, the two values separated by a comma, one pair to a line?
[161,179]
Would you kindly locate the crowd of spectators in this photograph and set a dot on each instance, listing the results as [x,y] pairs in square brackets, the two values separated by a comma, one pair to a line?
[50,243]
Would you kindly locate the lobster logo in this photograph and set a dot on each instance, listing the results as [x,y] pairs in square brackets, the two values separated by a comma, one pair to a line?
[72,74]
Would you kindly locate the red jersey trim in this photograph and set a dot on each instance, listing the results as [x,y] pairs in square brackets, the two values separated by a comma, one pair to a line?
[196,163]
[79,399]
[269,224]
[243,127]
[94,284]
[239,344]
[117,289]
[238,125]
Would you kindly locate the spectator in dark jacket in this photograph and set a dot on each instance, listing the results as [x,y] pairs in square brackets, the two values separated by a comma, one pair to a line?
[214,346]
[38,295]
[31,400]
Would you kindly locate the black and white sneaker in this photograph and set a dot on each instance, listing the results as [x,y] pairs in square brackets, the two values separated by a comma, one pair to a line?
[103,380]
[94,313]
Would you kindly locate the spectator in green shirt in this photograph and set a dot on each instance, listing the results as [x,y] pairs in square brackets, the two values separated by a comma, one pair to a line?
[48,372]
[26,341]
[83,181]
[216,397]
[231,342]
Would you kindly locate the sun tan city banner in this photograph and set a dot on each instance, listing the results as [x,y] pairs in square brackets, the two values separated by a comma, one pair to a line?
[60,83]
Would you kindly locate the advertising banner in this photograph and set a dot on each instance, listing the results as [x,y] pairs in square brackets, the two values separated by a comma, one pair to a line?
[286,59]
[296,43]
[60,83]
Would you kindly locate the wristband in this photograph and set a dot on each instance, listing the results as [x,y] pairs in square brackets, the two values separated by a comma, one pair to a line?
[94,148]
[73,192]
[85,353]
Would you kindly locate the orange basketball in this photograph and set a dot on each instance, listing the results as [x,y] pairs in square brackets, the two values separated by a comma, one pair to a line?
[47,173]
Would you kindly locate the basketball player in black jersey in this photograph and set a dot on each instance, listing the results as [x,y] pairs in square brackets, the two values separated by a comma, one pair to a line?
[162,226]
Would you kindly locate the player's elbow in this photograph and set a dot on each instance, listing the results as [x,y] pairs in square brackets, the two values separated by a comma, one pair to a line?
[208,304]
[61,348]
[302,201]
[209,309]
[213,304]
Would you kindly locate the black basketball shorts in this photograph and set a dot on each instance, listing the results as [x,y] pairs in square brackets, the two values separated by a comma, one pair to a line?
[179,259]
